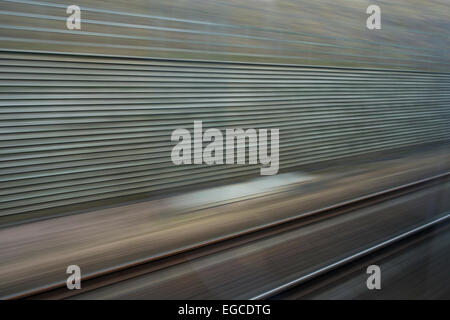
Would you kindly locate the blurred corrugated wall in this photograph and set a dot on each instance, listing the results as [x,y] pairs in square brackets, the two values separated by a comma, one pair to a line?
[85,126]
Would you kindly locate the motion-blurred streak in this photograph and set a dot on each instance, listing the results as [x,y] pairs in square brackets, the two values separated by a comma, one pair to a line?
[322,32]
[86,172]
[105,239]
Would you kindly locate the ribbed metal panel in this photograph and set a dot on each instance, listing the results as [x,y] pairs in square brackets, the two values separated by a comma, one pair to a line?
[79,128]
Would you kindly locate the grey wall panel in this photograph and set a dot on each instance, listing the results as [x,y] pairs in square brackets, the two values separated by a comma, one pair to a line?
[414,33]
[83,128]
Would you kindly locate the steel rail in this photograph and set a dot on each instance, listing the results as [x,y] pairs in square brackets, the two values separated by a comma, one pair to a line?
[298,281]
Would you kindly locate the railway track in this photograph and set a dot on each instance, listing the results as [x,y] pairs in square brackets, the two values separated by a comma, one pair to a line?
[294,288]
[414,266]
[124,272]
